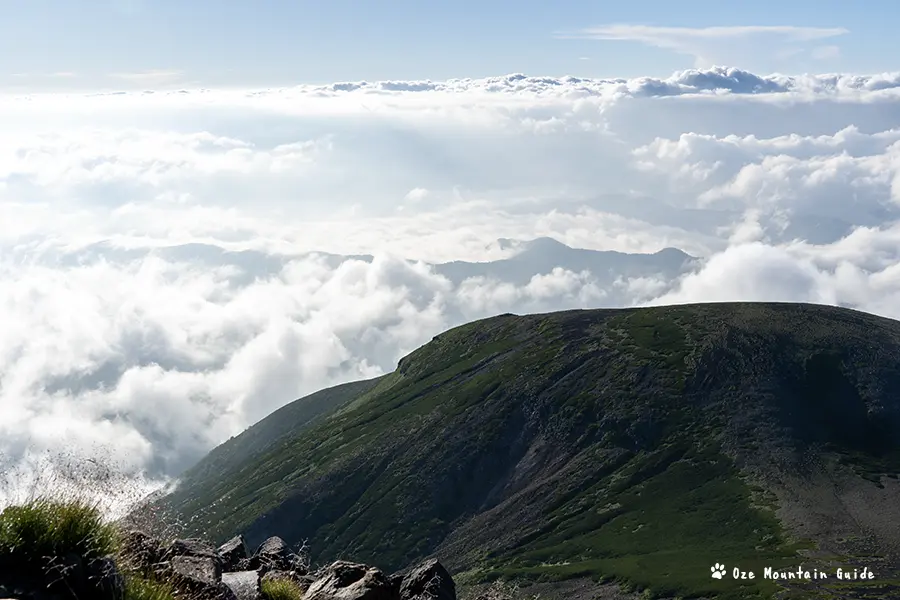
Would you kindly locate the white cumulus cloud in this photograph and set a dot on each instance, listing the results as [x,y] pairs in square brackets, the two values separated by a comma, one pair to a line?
[176,265]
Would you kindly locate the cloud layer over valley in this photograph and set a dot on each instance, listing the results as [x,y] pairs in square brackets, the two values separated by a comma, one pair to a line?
[176,265]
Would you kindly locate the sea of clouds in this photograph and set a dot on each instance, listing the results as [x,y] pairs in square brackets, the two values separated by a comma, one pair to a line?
[117,347]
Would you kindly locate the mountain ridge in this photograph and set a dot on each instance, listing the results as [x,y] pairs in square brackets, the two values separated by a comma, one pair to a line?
[540,446]
[542,255]
[255,262]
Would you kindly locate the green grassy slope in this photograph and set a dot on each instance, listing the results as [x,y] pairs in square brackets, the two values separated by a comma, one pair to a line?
[285,423]
[629,444]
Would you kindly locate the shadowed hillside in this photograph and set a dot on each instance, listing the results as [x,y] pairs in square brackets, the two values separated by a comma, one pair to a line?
[278,428]
[640,445]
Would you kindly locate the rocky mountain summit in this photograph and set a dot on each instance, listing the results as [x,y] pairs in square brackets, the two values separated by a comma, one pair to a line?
[637,446]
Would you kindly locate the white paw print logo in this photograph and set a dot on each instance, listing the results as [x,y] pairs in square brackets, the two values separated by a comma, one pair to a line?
[717,571]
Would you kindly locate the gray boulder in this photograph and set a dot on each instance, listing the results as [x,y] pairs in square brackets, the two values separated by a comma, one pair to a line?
[140,552]
[244,584]
[191,547]
[200,570]
[272,554]
[428,581]
[232,552]
[200,577]
[350,581]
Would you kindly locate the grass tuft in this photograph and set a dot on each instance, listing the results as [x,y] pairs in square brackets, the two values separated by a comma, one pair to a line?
[137,588]
[281,588]
[38,532]
[43,528]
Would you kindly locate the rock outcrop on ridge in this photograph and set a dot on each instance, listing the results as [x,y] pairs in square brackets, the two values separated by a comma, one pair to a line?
[198,571]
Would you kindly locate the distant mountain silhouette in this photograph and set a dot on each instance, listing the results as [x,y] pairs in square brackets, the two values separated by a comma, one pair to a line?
[542,255]
[532,257]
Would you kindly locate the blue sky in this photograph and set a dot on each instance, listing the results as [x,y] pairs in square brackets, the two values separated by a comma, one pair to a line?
[146,43]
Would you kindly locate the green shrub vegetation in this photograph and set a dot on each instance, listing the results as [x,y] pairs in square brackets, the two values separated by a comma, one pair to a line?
[281,588]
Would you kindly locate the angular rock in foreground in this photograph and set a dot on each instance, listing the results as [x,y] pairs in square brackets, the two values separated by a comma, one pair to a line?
[244,584]
[201,577]
[232,552]
[190,548]
[142,553]
[350,581]
[272,554]
[428,581]
[195,571]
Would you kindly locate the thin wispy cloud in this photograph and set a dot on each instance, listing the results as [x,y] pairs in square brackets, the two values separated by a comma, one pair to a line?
[152,78]
[712,45]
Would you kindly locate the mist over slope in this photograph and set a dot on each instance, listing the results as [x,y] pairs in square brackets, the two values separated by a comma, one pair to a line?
[642,444]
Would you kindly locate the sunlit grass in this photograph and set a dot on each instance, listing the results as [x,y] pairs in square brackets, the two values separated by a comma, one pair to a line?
[281,588]
[44,527]
[41,531]
[137,588]
[55,507]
